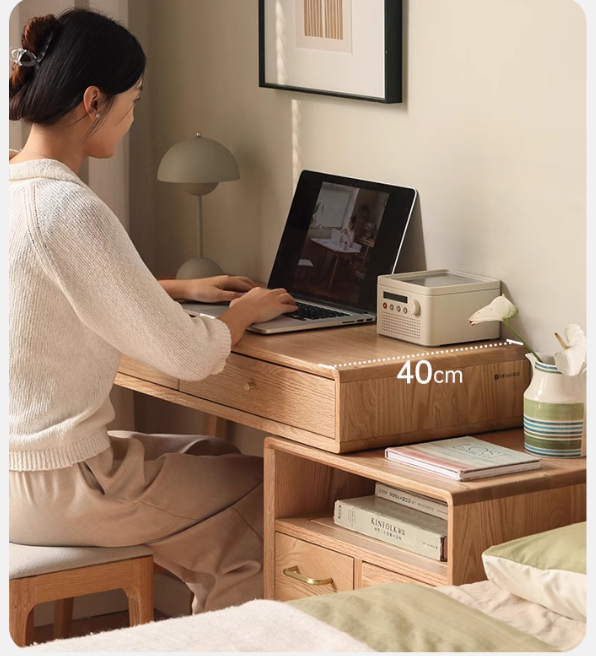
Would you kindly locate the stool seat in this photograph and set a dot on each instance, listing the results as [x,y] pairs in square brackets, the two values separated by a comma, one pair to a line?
[41,574]
[25,560]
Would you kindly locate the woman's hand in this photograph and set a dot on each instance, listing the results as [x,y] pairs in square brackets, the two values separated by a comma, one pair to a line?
[256,306]
[219,288]
[209,290]
[266,303]
[250,302]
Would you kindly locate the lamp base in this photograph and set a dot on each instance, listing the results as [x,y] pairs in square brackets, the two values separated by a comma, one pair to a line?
[198,267]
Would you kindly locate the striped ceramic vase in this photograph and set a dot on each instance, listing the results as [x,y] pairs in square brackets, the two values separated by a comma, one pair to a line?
[554,412]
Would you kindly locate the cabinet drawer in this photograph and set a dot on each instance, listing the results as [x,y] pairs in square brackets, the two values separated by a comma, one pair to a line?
[138,370]
[291,397]
[313,562]
[373,574]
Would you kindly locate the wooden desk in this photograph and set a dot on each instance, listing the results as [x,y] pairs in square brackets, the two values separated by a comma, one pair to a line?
[338,389]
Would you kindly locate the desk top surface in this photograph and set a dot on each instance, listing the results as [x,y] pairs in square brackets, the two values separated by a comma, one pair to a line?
[357,352]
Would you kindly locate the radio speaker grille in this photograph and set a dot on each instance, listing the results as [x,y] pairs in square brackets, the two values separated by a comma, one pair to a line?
[400,326]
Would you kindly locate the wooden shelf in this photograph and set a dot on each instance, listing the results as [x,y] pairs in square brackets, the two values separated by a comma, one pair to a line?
[372,464]
[302,484]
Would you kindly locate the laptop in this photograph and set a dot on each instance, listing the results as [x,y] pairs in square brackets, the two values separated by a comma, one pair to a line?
[340,235]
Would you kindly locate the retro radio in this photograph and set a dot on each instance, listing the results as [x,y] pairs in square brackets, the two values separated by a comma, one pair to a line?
[433,308]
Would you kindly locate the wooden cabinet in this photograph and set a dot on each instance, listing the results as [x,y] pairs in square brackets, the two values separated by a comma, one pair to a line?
[302,483]
[373,575]
[303,569]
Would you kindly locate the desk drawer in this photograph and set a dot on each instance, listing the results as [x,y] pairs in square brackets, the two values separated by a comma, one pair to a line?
[309,561]
[285,395]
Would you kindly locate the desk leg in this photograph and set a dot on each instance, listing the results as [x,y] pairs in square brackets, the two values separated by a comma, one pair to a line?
[214,426]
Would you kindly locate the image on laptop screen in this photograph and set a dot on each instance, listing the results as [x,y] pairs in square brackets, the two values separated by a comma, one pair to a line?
[341,234]
[340,240]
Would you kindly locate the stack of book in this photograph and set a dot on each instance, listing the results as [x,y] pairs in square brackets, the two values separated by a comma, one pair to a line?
[405,519]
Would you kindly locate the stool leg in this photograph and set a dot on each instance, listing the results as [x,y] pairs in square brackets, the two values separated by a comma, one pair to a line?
[63,617]
[29,635]
[21,603]
[140,591]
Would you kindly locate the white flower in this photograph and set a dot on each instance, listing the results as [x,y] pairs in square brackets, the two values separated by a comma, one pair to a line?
[571,359]
[501,309]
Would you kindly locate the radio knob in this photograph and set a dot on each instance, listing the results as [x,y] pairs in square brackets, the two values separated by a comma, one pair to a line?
[415,307]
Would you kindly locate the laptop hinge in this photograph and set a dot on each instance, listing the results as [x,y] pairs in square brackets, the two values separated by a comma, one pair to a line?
[336,306]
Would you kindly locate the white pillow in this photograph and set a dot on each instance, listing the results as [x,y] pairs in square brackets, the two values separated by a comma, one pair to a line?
[547,568]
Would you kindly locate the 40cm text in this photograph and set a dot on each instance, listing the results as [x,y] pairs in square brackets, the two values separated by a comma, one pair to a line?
[425,374]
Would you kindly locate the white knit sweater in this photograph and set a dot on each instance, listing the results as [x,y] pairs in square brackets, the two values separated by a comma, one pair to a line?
[79,296]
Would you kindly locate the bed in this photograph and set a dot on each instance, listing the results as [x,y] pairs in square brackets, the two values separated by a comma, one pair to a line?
[533,601]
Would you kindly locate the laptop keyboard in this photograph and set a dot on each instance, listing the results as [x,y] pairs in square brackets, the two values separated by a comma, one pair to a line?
[306,312]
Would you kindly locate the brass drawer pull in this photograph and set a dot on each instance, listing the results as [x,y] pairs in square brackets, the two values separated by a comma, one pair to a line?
[249,386]
[292,572]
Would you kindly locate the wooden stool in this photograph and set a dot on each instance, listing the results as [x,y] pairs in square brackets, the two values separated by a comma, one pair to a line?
[40,574]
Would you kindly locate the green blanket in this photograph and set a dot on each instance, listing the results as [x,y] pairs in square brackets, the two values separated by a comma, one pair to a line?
[402,617]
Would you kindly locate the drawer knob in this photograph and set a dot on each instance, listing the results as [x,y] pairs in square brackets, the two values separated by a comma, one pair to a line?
[249,386]
[292,572]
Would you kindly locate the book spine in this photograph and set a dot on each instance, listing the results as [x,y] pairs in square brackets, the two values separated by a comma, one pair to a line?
[390,530]
[412,500]
[425,466]
[415,457]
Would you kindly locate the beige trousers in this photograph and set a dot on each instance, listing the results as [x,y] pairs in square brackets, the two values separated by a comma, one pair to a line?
[196,501]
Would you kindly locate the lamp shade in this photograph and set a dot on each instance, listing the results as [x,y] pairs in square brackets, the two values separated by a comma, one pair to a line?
[198,161]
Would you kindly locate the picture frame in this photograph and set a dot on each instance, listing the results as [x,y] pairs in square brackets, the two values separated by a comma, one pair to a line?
[345,48]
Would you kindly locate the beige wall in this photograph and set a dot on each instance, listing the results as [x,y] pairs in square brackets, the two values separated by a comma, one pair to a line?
[492,133]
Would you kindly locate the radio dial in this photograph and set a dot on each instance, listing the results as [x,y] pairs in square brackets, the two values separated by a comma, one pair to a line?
[415,308]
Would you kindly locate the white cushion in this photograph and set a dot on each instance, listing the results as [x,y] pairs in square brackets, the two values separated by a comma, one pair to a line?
[547,568]
[26,560]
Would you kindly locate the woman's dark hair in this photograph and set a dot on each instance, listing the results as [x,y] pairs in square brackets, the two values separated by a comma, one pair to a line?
[78,49]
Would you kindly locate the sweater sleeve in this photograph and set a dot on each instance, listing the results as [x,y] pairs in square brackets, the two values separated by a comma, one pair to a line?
[92,259]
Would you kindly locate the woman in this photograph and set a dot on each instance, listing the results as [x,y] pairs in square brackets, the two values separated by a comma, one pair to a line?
[79,297]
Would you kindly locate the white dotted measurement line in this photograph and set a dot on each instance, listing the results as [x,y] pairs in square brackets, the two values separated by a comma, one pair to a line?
[397,358]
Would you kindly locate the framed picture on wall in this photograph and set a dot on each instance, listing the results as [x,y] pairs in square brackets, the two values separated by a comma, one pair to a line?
[347,48]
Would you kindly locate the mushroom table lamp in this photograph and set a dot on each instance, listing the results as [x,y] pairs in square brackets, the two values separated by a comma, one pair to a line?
[198,165]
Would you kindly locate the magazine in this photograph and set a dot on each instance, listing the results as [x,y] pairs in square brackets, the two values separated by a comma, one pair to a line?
[463,458]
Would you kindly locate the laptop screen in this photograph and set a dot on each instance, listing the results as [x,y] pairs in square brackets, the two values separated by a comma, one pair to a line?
[340,235]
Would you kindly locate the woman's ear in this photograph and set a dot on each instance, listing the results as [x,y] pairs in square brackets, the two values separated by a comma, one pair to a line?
[92,102]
